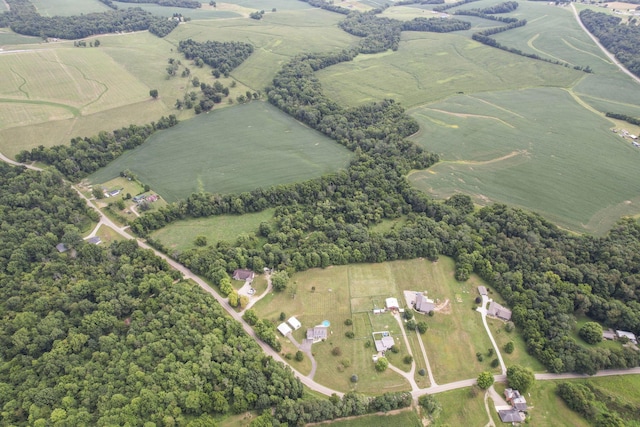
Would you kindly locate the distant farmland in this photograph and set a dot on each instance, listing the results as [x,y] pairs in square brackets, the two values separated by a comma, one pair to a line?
[537,149]
[230,150]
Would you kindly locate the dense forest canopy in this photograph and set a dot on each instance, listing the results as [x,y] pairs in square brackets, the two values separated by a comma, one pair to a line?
[23,18]
[105,336]
[623,40]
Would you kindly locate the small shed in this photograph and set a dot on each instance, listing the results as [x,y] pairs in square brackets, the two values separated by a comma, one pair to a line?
[392,304]
[284,329]
[609,335]
[482,290]
[294,323]
[61,247]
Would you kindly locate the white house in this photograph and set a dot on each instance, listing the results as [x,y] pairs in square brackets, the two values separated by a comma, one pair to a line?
[392,304]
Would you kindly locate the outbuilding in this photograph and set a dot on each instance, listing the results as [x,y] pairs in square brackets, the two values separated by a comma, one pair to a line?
[284,329]
[294,323]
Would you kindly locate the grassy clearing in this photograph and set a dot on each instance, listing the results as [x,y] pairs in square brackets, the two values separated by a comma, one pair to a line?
[519,355]
[205,12]
[179,236]
[68,7]
[108,236]
[230,150]
[538,149]
[548,409]
[406,418]
[8,38]
[462,408]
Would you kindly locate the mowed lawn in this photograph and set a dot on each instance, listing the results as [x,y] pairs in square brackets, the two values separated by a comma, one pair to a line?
[539,149]
[455,334]
[227,151]
[179,235]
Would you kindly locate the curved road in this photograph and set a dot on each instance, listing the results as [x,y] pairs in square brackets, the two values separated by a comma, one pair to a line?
[415,393]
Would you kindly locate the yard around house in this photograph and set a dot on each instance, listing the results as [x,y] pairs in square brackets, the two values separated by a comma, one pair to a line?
[338,293]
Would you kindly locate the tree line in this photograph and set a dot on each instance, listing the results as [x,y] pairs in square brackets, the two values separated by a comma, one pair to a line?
[86,155]
[620,39]
[190,4]
[629,119]
[382,33]
[23,18]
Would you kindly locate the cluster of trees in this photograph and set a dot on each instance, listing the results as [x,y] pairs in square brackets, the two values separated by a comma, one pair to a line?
[619,39]
[257,15]
[351,404]
[581,398]
[108,336]
[328,5]
[221,56]
[83,43]
[86,155]
[381,33]
[23,18]
[191,4]
[448,6]
[505,7]
[628,119]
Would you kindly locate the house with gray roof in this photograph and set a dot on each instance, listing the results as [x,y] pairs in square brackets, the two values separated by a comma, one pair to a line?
[384,344]
[496,310]
[317,333]
[424,304]
[511,416]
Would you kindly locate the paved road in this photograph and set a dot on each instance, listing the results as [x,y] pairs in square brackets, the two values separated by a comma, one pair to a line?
[606,52]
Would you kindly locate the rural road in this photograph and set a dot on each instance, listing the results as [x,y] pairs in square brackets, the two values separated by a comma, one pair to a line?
[415,393]
[606,52]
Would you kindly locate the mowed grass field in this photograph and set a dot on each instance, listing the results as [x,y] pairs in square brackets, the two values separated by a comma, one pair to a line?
[455,334]
[230,150]
[539,149]
[179,235]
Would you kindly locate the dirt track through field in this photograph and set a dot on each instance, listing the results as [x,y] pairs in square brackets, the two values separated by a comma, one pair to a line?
[465,115]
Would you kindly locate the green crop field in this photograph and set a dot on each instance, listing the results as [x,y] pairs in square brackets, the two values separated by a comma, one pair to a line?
[407,418]
[539,149]
[68,7]
[230,150]
[179,235]
[9,38]
[205,12]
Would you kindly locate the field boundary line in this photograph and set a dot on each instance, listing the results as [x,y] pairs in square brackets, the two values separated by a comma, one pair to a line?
[530,44]
[583,103]
[588,53]
[482,162]
[24,82]
[496,106]
[465,115]
[70,108]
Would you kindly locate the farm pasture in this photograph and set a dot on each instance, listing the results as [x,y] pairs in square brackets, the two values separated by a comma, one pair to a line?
[205,12]
[230,150]
[539,149]
[462,408]
[179,235]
